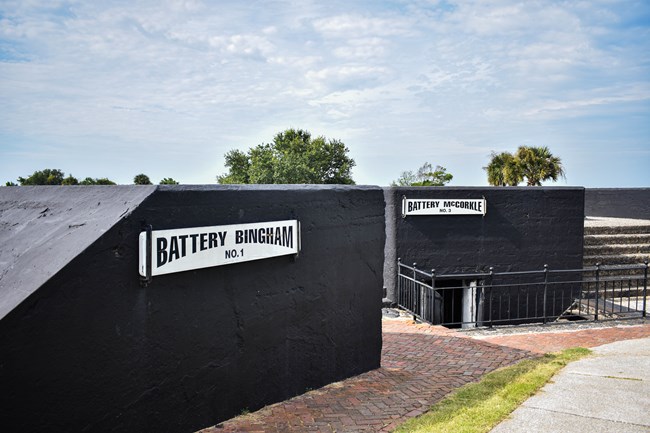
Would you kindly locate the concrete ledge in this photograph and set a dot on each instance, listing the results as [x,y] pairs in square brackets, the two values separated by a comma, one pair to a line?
[42,228]
[618,202]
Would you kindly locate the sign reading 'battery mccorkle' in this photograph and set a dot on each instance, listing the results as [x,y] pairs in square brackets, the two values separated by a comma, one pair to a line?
[180,250]
[447,206]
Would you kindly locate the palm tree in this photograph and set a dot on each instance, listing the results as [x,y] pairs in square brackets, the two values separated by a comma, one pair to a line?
[538,164]
[503,170]
[535,164]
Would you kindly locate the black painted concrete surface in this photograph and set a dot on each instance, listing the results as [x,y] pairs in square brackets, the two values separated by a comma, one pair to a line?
[631,203]
[523,229]
[91,350]
[42,228]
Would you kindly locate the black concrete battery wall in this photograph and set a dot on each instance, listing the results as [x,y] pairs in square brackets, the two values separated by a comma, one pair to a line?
[524,228]
[90,350]
[618,202]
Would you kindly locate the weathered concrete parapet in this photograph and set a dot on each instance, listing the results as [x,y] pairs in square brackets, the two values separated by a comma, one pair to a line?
[633,203]
[88,348]
[43,228]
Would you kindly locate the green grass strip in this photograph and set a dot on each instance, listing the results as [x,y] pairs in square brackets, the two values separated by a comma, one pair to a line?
[478,407]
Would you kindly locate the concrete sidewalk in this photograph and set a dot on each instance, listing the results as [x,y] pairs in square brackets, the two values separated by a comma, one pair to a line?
[608,391]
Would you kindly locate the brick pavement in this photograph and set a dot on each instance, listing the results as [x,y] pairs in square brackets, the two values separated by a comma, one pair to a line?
[420,365]
[556,340]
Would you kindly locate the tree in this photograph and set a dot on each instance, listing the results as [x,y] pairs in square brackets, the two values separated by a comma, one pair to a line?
[104,181]
[538,164]
[10,184]
[535,164]
[56,177]
[425,176]
[99,181]
[142,179]
[70,180]
[168,181]
[503,170]
[43,177]
[239,164]
[292,157]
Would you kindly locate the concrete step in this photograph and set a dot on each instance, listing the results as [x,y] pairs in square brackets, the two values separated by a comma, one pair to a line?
[614,249]
[618,239]
[624,272]
[619,274]
[612,230]
[615,259]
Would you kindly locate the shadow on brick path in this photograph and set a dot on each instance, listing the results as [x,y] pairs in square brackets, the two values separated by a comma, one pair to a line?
[420,365]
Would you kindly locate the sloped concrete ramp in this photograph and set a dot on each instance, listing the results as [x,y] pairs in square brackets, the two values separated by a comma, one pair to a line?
[42,228]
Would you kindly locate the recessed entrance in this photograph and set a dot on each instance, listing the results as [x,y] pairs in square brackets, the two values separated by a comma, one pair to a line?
[461,302]
[451,298]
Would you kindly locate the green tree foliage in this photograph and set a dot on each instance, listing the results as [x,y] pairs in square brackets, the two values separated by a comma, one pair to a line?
[424,176]
[96,181]
[534,164]
[104,181]
[503,170]
[70,180]
[56,177]
[292,157]
[43,177]
[539,164]
[168,181]
[10,184]
[142,179]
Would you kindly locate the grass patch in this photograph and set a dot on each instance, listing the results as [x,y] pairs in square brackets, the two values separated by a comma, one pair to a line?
[478,407]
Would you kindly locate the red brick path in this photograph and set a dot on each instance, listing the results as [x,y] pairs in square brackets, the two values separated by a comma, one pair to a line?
[420,365]
[556,340]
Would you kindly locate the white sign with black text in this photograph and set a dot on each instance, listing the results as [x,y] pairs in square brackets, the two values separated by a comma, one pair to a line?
[447,206]
[180,250]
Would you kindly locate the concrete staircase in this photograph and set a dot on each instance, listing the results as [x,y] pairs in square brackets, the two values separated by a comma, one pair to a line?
[621,246]
[615,241]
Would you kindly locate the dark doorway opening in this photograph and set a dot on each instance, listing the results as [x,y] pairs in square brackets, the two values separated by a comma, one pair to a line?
[451,294]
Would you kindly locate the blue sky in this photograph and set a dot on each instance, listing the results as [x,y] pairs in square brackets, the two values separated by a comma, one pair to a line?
[114,88]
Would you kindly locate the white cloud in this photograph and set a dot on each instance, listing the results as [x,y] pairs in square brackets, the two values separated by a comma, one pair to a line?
[301,62]
[346,74]
[362,49]
[186,5]
[347,25]
[571,107]
[244,45]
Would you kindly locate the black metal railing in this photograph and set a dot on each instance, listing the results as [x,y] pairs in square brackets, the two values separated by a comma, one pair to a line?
[546,295]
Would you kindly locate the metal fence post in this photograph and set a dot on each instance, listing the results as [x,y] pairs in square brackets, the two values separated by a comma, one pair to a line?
[645,287]
[433,297]
[491,285]
[416,294]
[545,291]
[597,288]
